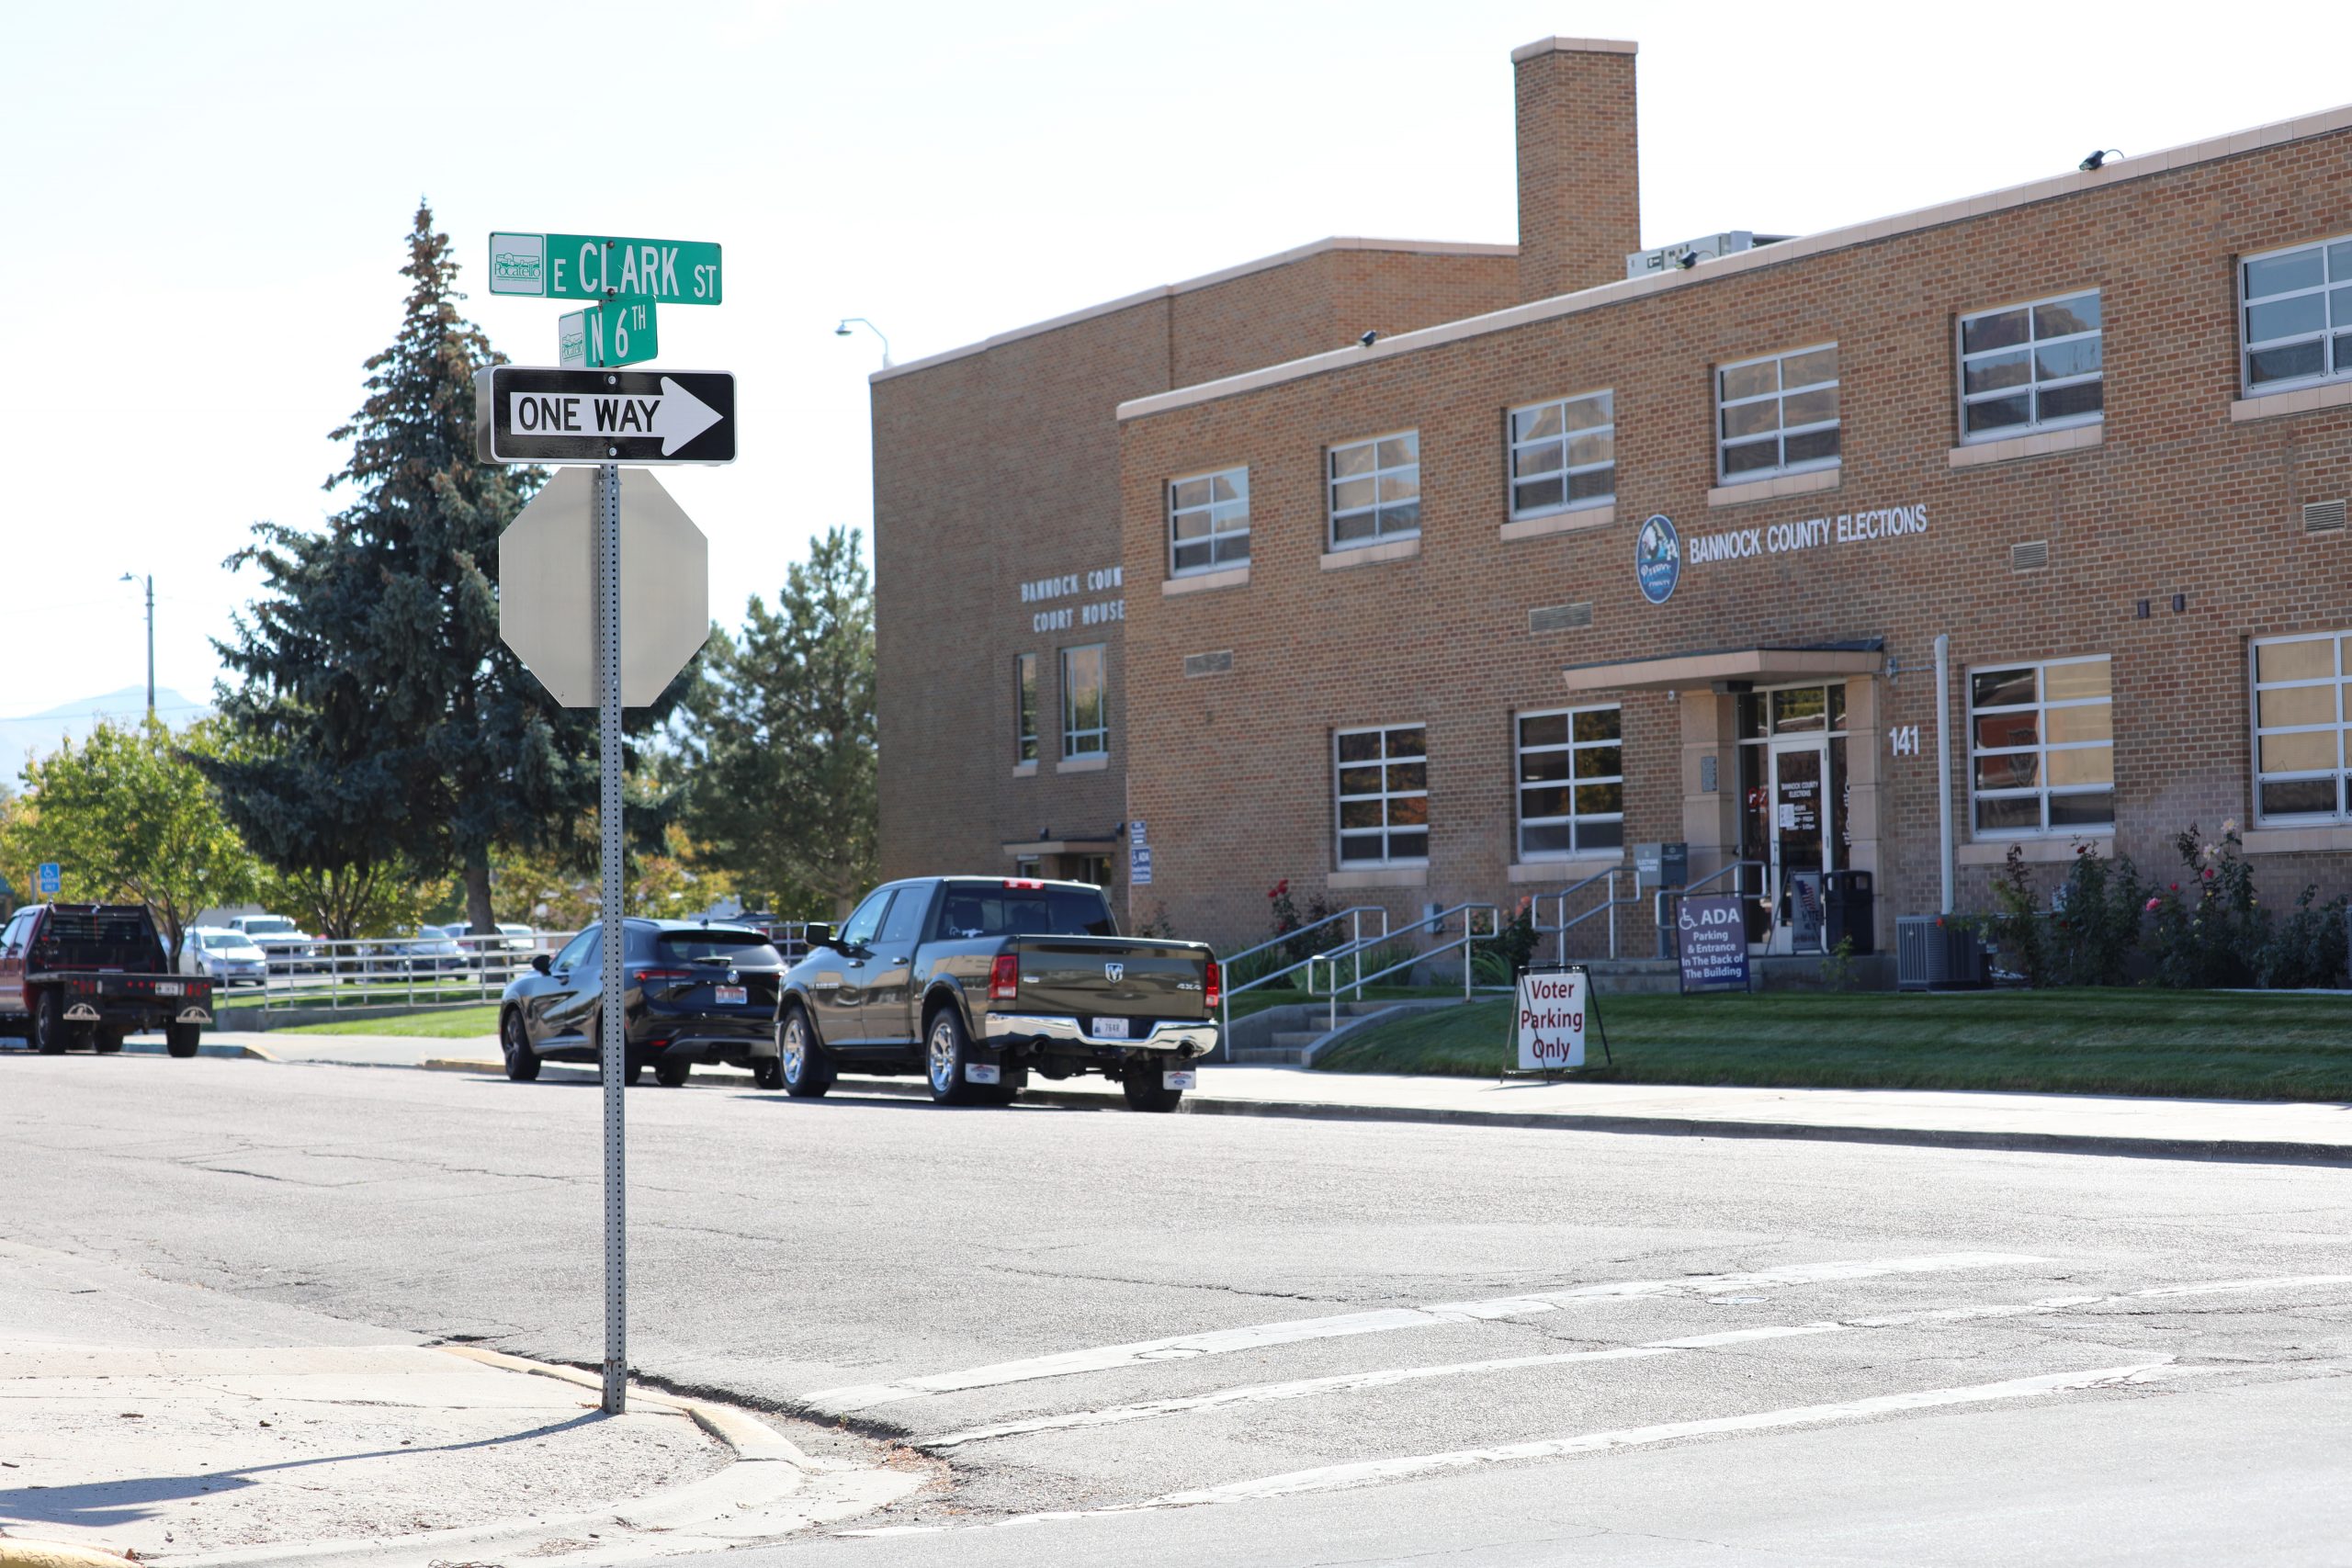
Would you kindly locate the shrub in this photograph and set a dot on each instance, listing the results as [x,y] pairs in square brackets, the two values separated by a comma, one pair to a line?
[1497,960]
[2016,923]
[2087,935]
[2308,947]
[2214,933]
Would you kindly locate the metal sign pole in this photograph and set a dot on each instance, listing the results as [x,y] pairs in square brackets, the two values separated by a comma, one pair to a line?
[610,1010]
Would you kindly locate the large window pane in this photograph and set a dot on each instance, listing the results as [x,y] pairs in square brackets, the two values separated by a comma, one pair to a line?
[2295,316]
[1374,489]
[2007,355]
[1793,390]
[1381,782]
[2041,743]
[2276,275]
[2296,658]
[2287,309]
[2302,729]
[1557,820]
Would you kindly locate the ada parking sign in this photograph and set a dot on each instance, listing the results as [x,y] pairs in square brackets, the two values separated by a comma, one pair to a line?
[48,879]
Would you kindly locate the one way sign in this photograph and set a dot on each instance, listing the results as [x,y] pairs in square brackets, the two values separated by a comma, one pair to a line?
[528,414]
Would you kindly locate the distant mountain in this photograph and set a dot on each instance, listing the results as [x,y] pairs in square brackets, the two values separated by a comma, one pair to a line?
[21,738]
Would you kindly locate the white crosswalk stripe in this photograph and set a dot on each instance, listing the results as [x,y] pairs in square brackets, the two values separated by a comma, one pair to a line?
[1217,1342]
[1352,1382]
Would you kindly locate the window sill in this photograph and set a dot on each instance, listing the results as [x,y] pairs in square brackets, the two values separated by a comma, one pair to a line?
[1807,483]
[2314,839]
[1093,762]
[1025,770]
[2056,849]
[2310,400]
[1563,522]
[1369,555]
[1380,876]
[1206,581]
[1563,872]
[2042,444]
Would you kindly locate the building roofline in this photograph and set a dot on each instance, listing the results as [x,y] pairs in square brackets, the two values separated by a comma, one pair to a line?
[1526,52]
[1206,279]
[2212,149]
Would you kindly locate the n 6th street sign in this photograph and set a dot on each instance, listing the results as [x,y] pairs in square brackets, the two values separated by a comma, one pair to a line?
[618,331]
[529,414]
[593,266]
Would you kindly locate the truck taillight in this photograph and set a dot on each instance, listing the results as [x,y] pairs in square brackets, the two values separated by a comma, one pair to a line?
[1023,881]
[1212,985]
[1004,978]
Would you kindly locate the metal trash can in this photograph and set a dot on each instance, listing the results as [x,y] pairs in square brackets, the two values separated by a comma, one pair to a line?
[1849,913]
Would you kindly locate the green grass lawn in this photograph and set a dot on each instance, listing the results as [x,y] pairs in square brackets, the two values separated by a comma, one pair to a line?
[449,1023]
[2278,1045]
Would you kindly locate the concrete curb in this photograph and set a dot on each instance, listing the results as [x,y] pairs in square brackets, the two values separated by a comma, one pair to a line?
[2244,1151]
[156,1048]
[16,1553]
[785,1492]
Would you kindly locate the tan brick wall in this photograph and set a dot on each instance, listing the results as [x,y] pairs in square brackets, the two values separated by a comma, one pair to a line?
[999,467]
[2177,498]
[1580,186]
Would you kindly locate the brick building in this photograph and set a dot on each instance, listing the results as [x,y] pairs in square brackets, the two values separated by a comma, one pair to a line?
[2015,520]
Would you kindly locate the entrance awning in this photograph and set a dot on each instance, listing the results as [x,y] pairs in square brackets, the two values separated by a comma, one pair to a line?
[1734,667]
[1063,847]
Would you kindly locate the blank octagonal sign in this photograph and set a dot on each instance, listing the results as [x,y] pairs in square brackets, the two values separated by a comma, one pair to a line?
[546,587]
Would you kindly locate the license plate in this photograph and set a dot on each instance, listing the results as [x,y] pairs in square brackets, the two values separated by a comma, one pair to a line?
[982,1072]
[1177,1077]
[1111,1028]
[167,987]
[732,994]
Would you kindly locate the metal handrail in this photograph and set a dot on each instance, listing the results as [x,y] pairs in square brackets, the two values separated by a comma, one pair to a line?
[1470,933]
[1609,906]
[1353,913]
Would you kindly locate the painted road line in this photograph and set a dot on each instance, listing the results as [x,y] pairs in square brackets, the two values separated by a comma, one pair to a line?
[1372,1472]
[1224,1341]
[1353,1383]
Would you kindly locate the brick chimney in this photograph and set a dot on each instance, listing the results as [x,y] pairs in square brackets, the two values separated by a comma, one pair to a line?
[1580,188]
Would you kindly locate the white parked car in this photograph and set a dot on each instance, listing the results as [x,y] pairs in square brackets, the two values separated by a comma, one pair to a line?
[229,957]
[291,949]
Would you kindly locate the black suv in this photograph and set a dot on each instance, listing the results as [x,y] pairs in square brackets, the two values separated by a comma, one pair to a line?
[691,993]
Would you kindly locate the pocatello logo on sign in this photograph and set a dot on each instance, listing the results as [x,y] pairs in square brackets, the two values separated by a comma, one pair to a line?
[1551,1012]
[1657,559]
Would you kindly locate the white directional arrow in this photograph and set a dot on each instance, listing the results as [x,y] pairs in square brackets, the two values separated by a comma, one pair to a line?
[682,416]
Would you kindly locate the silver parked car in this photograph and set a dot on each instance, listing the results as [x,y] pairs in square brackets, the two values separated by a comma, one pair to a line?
[229,957]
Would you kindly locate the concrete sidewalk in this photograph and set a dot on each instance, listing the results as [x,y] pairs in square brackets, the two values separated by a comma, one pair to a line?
[189,1426]
[2297,1133]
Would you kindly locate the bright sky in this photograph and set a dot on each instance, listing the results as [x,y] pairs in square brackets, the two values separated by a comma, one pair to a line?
[206,206]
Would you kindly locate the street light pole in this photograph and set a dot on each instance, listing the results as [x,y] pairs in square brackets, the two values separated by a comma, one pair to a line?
[843,330]
[128,577]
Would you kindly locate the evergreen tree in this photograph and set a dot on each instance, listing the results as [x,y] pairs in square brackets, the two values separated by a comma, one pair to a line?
[386,728]
[779,738]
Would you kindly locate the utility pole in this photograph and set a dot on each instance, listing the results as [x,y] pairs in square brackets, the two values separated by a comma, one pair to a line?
[128,577]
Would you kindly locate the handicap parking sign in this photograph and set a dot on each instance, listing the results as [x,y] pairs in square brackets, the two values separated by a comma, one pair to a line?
[50,880]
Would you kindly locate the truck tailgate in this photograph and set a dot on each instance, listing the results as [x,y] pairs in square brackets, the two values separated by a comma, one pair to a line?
[1106,977]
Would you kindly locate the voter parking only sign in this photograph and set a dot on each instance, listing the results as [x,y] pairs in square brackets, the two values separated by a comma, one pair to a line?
[1552,1007]
[533,414]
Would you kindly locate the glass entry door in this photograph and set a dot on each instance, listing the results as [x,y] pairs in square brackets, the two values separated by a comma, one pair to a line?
[1800,841]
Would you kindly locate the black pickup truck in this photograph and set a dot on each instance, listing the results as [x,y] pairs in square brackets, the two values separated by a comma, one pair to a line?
[91,974]
[975,982]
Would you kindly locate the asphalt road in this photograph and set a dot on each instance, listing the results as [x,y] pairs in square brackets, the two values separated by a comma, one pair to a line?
[1274,1341]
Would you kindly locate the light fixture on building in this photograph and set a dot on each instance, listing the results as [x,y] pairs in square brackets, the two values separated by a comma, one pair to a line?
[1687,260]
[1366,340]
[2097,159]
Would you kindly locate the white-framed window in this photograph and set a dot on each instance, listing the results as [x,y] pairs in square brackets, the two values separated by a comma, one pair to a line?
[1025,707]
[2031,367]
[1375,489]
[2041,747]
[2296,319]
[1778,414]
[1564,454]
[1571,784]
[1086,716]
[1208,521]
[1382,780]
[2302,728]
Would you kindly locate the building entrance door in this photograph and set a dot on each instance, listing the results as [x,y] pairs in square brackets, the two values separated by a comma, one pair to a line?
[1799,838]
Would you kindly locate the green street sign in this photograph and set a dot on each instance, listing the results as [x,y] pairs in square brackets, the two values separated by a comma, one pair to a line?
[618,331]
[598,267]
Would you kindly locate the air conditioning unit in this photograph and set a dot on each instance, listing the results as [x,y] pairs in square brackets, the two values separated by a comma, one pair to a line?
[1689,252]
[1930,955]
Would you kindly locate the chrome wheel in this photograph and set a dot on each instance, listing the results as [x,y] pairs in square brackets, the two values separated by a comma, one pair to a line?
[942,1056]
[792,1048]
